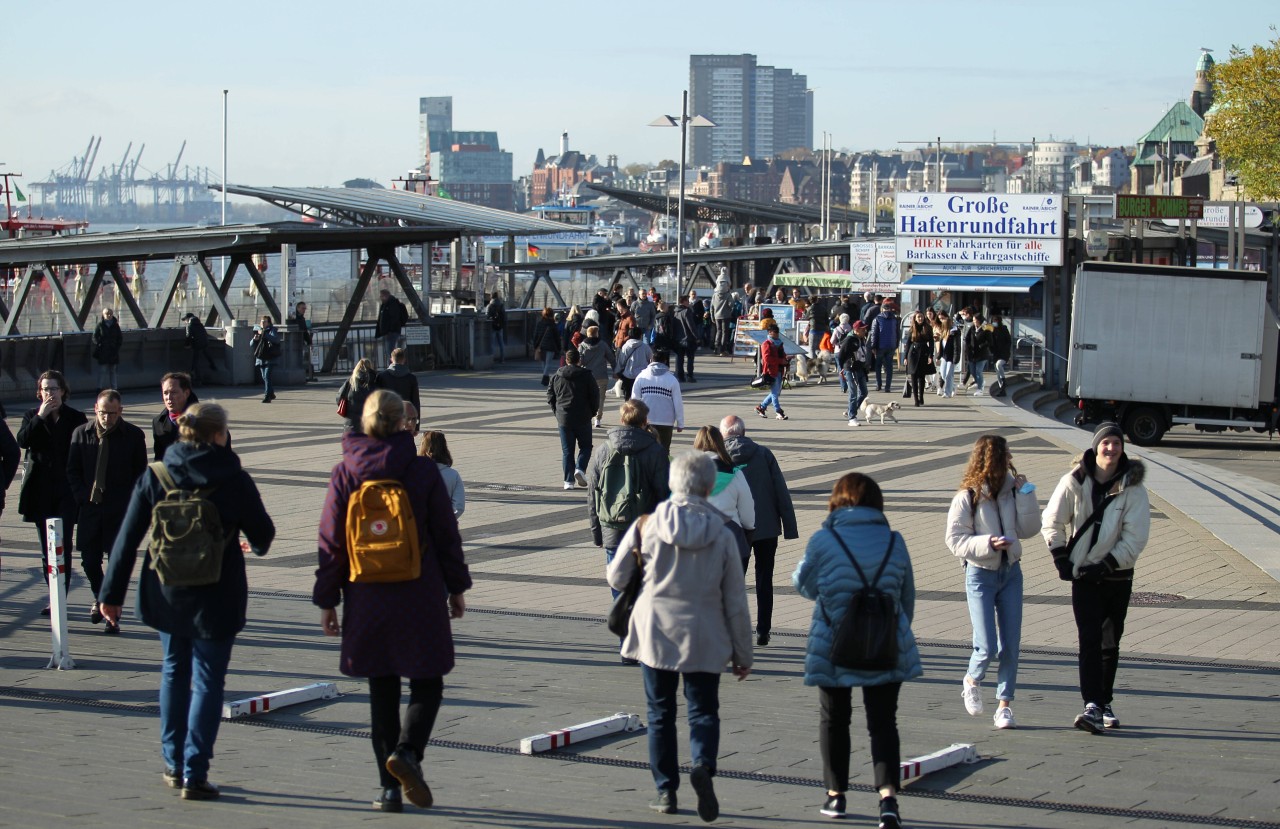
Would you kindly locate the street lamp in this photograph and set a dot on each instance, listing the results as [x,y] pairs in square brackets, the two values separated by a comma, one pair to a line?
[683,122]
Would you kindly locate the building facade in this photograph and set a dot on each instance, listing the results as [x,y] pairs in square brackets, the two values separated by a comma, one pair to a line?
[759,111]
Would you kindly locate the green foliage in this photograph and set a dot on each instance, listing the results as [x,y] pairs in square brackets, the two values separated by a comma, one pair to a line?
[1245,119]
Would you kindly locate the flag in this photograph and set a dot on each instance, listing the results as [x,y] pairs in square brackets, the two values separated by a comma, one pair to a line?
[18,193]
[534,251]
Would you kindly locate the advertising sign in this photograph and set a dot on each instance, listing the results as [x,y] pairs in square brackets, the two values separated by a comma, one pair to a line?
[862,261]
[979,215]
[1218,214]
[1159,207]
[887,270]
[874,266]
[979,251]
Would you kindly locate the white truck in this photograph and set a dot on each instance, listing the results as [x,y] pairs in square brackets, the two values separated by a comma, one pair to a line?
[1155,346]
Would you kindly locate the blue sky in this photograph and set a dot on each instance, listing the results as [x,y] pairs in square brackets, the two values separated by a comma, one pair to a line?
[323,91]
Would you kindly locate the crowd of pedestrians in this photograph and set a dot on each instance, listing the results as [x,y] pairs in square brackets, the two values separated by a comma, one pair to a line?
[689,522]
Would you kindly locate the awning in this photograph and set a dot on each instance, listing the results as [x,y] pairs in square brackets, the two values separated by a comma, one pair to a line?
[980,283]
[840,280]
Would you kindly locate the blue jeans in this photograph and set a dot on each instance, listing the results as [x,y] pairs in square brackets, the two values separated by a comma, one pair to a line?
[976,370]
[499,345]
[571,433]
[702,694]
[609,553]
[390,342]
[550,361]
[884,362]
[191,680]
[857,379]
[774,395]
[265,368]
[995,610]
[947,377]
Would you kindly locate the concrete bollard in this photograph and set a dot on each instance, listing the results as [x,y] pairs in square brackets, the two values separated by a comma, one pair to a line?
[56,569]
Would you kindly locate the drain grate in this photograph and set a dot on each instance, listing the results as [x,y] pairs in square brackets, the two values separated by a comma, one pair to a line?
[1155,598]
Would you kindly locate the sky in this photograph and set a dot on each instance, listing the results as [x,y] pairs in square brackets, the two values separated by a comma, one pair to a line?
[320,92]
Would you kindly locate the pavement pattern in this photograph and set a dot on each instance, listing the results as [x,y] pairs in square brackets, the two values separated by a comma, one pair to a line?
[1200,736]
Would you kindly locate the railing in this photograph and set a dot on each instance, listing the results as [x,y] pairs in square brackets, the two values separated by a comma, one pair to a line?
[1039,367]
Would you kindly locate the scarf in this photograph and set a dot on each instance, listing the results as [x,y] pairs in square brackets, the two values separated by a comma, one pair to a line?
[99,490]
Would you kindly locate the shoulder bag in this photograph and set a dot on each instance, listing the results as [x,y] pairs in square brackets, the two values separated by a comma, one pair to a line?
[620,613]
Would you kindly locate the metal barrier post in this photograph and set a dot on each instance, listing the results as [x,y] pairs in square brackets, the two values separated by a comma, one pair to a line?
[56,570]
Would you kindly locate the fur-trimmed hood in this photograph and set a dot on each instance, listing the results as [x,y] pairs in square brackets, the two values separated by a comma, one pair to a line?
[1133,471]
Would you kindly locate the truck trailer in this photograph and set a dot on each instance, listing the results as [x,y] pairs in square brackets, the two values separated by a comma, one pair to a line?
[1156,346]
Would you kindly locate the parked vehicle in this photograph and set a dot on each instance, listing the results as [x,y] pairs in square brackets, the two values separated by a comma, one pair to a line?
[1157,346]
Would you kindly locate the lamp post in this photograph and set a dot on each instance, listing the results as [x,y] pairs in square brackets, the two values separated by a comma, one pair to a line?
[683,122]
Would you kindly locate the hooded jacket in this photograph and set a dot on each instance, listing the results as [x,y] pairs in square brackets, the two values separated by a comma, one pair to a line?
[395,628]
[691,615]
[632,359]
[722,300]
[660,391]
[731,494]
[399,379]
[826,576]
[597,355]
[775,514]
[1012,514]
[654,467]
[215,611]
[1119,535]
[573,395]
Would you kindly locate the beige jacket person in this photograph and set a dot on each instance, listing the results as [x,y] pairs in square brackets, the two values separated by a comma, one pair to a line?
[692,614]
[1014,515]
[1125,523]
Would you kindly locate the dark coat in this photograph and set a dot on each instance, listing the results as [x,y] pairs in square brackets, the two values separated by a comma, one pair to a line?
[214,611]
[196,334]
[919,356]
[10,455]
[1001,343]
[654,469]
[107,340]
[573,395]
[392,316]
[397,628]
[687,324]
[775,514]
[300,323]
[400,380]
[261,338]
[977,343]
[44,486]
[546,336]
[356,396]
[164,433]
[98,524]
[949,349]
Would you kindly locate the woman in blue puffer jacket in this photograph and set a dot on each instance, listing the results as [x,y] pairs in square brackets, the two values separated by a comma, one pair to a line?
[826,575]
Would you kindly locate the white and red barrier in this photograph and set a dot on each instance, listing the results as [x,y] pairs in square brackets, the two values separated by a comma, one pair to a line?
[952,755]
[575,734]
[270,702]
[56,570]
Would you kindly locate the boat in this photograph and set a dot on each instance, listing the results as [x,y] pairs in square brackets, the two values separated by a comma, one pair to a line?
[17,226]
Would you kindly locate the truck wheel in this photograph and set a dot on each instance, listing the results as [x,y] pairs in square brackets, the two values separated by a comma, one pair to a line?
[1144,425]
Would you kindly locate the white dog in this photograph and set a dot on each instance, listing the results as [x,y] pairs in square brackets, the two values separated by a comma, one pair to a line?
[869,410]
[822,364]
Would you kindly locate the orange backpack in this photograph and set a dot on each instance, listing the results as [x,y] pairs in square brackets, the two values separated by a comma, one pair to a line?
[382,537]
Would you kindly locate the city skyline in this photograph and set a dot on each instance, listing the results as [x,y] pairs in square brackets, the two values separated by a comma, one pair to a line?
[315,100]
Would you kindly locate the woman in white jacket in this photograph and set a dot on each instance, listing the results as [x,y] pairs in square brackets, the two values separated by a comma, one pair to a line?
[994,508]
[731,493]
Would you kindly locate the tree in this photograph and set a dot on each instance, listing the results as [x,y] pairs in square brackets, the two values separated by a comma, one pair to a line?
[636,170]
[1245,119]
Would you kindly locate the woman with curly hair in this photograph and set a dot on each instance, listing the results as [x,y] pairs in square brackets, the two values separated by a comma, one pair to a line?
[994,508]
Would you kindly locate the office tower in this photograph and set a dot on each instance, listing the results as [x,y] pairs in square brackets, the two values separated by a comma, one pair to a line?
[759,111]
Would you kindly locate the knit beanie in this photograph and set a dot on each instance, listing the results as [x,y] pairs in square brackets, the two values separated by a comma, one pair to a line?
[1107,430]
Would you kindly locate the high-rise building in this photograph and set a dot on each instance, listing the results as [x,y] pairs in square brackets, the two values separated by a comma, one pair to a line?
[435,115]
[759,111]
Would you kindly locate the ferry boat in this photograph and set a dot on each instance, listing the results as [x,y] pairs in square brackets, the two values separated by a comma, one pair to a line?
[17,226]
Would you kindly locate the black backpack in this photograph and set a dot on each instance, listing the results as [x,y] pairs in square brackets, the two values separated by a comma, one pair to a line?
[854,352]
[867,637]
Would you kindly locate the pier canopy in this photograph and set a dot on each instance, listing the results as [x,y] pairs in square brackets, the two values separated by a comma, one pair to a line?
[373,207]
[729,211]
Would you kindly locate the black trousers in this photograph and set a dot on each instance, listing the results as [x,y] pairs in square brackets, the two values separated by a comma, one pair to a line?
[765,551]
[420,718]
[881,705]
[1100,608]
[684,360]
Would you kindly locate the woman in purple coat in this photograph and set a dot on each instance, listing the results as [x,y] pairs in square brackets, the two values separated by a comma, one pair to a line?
[394,629]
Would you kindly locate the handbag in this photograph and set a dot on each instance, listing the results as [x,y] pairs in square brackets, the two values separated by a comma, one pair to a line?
[342,407]
[620,614]
[762,381]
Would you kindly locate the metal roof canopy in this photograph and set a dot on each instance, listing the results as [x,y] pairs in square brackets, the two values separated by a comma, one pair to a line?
[190,249]
[729,211]
[371,207]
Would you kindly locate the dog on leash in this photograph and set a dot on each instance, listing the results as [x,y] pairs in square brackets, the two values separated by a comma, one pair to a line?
[869,410]
[805,367]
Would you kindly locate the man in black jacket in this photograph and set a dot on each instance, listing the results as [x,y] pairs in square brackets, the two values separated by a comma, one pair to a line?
[687,333]
[198,341]
[104,461]
[775,514]
[1001,352]
[398,378]
[46,435]
[574,397]
[10,455]
[392,317]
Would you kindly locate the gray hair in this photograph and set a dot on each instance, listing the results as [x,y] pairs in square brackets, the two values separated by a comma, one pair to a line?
[732,427]
[692,473]
[844,319]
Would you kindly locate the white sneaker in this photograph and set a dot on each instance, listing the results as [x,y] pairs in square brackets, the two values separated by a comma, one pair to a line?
[595,423]
[979,393]
[853,421]
[972,696]
[1004,718]
[568,484]
[580,478]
